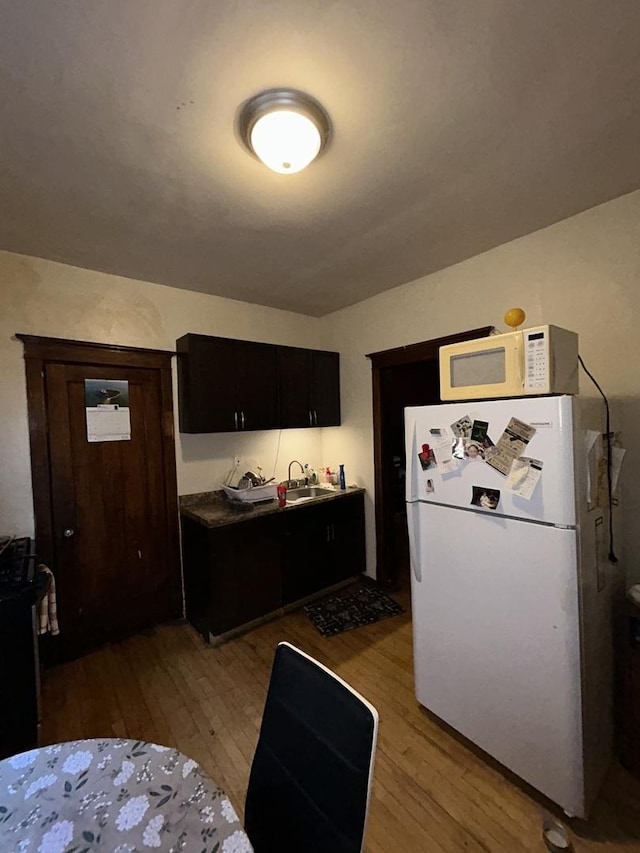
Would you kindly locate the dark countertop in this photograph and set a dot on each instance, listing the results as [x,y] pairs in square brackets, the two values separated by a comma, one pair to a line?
[212,509]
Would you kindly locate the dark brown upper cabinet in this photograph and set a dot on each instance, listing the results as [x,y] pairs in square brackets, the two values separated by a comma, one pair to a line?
[226,385]
[308,387]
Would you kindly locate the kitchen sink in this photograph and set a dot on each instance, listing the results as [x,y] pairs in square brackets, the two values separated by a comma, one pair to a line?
[305,493]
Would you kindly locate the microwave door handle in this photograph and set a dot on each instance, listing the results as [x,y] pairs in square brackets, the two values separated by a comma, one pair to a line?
[520,357]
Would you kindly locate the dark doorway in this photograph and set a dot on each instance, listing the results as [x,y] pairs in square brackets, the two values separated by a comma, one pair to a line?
[106,511]
[406,376]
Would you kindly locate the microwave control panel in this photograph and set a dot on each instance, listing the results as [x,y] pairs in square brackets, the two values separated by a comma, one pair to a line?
[536,353]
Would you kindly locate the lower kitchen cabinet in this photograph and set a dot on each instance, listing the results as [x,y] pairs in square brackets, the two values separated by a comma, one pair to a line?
[232,574]
[324,544]
[235,573]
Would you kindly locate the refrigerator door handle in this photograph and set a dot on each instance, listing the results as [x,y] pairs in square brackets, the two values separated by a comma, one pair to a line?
[411,486]
[413,529]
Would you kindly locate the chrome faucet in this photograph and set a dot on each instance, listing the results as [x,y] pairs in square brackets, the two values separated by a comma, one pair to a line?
[289,481]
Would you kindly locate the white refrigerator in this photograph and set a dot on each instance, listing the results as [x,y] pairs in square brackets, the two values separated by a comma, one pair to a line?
[512,593]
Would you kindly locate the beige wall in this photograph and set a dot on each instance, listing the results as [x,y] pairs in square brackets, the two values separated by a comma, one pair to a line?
[583,274]
[45,298]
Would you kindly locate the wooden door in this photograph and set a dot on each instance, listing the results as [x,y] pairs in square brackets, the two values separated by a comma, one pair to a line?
[388,411]
[106,511]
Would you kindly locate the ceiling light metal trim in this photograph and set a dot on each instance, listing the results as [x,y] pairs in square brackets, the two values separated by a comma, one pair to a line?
[272,100]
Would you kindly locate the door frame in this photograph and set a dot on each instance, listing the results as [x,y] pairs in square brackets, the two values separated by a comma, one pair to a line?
[411,354]
[38,352]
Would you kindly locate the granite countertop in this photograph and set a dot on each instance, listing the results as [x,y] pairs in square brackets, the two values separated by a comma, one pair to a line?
[212,509]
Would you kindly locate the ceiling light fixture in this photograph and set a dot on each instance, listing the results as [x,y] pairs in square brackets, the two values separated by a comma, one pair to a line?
[284,128]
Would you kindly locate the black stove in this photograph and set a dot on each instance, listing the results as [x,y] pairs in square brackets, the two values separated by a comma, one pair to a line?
[21,587]
[18,576]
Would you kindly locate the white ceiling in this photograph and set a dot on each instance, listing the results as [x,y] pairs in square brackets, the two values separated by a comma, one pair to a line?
[459,125]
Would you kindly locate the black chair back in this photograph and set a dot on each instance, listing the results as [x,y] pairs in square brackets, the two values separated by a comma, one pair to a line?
[311,774]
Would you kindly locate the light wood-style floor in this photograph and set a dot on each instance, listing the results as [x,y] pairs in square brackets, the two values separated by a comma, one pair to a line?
[431,792]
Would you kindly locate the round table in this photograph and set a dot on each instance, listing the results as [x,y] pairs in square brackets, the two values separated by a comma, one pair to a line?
[124,796]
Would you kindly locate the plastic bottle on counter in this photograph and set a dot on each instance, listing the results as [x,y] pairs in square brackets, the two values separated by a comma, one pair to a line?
[343,482]
[310,475]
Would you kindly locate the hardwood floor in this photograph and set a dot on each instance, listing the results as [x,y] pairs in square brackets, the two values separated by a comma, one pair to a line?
[431,792]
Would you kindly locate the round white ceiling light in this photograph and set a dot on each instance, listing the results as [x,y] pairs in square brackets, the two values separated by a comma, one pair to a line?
[284,128]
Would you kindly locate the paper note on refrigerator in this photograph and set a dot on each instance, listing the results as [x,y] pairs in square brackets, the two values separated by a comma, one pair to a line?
[442,450]
[511,444]
[524,476]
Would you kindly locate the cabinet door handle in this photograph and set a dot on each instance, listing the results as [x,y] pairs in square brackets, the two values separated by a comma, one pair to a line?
[242,416]
[235,419]
[328,533]
[310,418]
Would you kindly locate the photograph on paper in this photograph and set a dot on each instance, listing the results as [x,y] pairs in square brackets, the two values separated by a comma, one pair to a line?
[107,410]
[462,428]
[473,450]
[486,498]
[106,392]
[467,448]
[427,458]
[479,431]
[458,448]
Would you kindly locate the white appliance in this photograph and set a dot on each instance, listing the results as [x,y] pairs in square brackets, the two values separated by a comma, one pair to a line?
[539,360]
[512,605]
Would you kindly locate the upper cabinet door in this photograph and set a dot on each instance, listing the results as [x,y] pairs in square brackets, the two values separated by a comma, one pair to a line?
[256,367]
[207,384]
[294,387]
[309,387]
[325,388]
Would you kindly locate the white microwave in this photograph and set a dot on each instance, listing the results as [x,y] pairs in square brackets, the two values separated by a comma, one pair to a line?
[540,360]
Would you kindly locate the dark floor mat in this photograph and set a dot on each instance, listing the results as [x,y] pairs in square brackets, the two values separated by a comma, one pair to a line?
[346,612]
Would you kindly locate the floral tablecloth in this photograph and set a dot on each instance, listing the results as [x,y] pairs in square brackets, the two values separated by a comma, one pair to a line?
[123,796]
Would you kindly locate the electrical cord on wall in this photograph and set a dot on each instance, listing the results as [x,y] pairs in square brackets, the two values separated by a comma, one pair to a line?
[275,463]
[612,556]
